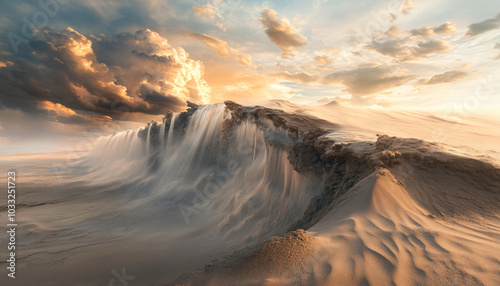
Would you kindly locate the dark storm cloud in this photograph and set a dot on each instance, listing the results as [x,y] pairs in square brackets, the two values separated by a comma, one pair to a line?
[157,98]
[137,72]
[108,17]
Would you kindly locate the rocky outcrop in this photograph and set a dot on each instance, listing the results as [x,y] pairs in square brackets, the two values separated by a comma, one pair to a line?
[312,153]
[181,122]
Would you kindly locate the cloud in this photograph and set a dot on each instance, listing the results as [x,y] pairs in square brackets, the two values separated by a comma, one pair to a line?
[430,47]
[146,59]
[445,28]
[483,27]
[449,76]
[232,82]
[323,60]
[281,32]
[406,50]
[67,72]
[222,48]
[393,32]
[57,108]
[497,46]
[406,7]
[330,50]
[208,10]
[302,77]
[5,64]
[368,80]
[60,113]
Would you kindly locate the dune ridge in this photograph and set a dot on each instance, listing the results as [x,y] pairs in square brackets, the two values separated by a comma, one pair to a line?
[414,214]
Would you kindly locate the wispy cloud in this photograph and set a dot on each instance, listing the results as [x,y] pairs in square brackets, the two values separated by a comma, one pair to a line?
[208,10]
[302,77]
[222,47]
[449,76]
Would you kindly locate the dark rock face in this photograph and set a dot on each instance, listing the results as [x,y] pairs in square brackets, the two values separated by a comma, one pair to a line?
[311,153]
[181,122]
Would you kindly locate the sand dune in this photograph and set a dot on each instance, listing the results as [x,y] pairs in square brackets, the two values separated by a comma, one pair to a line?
[378,236]
[423,216]
[275,197]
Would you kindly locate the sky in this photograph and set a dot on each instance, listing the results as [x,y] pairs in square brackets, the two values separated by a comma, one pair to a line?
[73,69]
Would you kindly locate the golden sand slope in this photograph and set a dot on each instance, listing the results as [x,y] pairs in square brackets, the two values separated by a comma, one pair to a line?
[382,234]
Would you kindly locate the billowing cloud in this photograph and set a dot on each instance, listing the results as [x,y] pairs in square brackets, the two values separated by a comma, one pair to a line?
[366,80]
[405,50]
[281,32]
[449,76]
[222,48]
[483,27]
[147,59]
[445,28]
[69,73]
